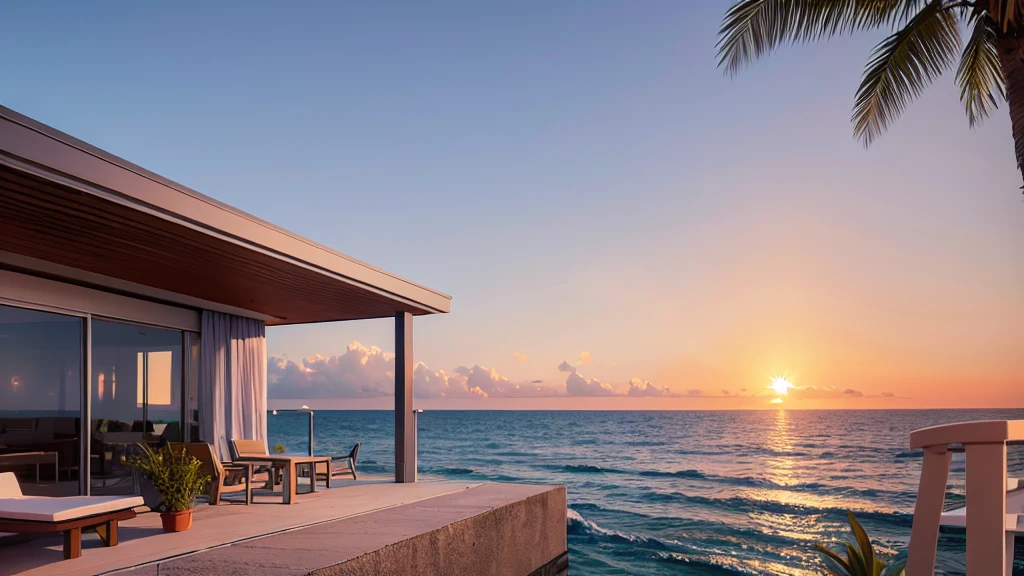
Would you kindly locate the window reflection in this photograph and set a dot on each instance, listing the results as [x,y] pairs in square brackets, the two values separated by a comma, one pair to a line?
[40,399]
[140,400]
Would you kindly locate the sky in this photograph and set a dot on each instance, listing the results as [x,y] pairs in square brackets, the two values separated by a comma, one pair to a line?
[621,226]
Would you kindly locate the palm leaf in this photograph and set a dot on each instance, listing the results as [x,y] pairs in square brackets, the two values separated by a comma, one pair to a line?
[901,67]
[836,558]
[753,28]
[857,566]
[980,74]
[864,543]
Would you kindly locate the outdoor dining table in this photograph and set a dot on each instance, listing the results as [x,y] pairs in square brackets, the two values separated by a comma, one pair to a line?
[290,465]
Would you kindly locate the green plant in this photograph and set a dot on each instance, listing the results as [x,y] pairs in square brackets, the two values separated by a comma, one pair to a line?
[279,448]
[861,559]
[925,41]
[177,475]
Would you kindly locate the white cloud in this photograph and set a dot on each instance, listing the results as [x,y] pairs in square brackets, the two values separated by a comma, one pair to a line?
[576,385]
[585,358]
[369,372]
[519,356]
[362,372]
[638,387]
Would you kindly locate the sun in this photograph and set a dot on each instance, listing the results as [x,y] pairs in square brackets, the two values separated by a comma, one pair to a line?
[780,385]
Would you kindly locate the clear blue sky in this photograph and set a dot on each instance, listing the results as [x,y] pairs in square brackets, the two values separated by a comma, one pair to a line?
[577,174]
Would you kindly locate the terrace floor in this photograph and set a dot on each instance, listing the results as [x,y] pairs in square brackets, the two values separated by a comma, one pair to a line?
[353,519]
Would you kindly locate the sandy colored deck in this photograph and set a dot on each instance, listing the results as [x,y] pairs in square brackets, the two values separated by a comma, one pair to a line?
[142,540]
[372,526]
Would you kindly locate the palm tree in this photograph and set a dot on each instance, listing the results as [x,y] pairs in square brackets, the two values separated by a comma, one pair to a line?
[924,43]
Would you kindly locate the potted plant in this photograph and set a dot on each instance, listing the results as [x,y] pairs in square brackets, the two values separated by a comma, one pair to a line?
[177,477]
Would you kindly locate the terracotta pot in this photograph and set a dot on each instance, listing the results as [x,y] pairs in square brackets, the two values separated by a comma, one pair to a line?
[176,521]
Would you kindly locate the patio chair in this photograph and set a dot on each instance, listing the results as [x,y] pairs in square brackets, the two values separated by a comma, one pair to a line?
[223,474]
[251,448]
[22,514]
[341,464]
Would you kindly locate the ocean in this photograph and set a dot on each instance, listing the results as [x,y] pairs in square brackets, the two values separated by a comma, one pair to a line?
[681,493]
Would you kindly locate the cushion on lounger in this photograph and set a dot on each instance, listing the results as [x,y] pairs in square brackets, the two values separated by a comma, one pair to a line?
[9,487]
[43,509]
[15,506]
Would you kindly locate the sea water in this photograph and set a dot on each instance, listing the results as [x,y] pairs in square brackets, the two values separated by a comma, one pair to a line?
[681,492]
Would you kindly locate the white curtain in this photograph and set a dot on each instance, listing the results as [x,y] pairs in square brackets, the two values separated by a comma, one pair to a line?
[233,386]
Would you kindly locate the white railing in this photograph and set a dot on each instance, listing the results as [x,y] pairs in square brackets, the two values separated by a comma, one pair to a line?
[990,530]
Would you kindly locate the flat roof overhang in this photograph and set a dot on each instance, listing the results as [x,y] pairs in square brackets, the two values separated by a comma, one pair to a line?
[72,212]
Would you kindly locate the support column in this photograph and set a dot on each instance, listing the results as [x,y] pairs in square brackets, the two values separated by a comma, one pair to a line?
[405,431]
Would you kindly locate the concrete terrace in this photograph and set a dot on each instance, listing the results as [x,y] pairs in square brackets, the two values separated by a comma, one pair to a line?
[370,526]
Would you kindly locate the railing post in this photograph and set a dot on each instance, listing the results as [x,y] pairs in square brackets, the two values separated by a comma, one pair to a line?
[311,433]
[986,509]
[924,533]
[416,440]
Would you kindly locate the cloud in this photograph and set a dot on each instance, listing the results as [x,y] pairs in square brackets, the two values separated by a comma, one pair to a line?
[726,393]
[369,372]
[585,357]
[519,356]
[359,372]
[638,387]
[362,372]
[888,395]
[824,393]
[576,385]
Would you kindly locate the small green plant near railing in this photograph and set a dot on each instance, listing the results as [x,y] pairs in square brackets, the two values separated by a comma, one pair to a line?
[279,449]
[861,559]
[177,475]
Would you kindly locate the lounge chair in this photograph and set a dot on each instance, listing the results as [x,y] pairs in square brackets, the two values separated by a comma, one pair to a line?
[223,473]
[341,464]
[41,515]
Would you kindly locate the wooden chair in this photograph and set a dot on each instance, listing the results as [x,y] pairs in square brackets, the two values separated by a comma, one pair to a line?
[251,448]
[341,464]
[221,474]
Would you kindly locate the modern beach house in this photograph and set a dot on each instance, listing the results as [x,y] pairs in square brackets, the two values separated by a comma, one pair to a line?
[133,309]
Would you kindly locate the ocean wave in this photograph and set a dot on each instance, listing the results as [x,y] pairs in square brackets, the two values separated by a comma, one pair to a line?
[588,469]
[446,470]
[638,547]
[751,482]
[577,525]
[741,481]
[745,505]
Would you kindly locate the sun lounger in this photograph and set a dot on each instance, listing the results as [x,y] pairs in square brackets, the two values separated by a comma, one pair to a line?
[42,515]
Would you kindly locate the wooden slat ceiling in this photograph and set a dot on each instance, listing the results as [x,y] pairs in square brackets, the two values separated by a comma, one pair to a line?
[55,223]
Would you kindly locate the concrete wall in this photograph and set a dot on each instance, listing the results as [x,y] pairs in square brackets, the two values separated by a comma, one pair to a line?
[514,539]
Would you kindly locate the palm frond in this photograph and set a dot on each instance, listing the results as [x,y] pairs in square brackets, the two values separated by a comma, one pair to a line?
[840,564]
[1008,14]
[980,75]
[901,67]
[753,28]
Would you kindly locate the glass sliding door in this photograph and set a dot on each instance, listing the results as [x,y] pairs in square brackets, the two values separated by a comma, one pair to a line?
[136,398]
[41,360]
